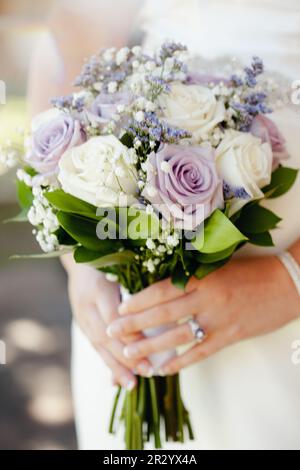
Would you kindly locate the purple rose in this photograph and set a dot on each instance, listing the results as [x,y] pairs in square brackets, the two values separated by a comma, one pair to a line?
[267,131]
[106,105]
[53,132]
[185,184]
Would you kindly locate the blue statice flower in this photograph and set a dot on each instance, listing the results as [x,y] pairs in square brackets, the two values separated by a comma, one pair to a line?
[252,72]
[169,48]
[62,102]
[158,85]
[231,192]
[236,80]
[155,131]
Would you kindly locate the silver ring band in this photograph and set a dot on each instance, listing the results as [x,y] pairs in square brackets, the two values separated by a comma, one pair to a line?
[198,332]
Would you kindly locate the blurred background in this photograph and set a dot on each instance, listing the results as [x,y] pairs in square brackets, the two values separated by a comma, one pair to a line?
[35,401]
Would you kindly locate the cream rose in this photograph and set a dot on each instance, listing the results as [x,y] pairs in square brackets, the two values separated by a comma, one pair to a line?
[194,108]
[244,162]
[100,172]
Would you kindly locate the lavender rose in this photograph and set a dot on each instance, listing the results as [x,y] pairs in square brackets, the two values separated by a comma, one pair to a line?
[184,182]
[105,106]
[53,132]
[267,131]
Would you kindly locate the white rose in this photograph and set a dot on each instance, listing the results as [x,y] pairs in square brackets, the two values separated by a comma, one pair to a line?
[194,108]
[244,162]
[88,172]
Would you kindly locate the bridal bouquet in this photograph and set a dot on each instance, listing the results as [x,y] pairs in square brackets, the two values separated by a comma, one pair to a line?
[153,170]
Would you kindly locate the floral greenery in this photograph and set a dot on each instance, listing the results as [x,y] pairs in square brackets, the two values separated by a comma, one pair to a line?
[139,250]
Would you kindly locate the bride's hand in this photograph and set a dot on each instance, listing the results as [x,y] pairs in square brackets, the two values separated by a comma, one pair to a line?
[245,298]
[94,302]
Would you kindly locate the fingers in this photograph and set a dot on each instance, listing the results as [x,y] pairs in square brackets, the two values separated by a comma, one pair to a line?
[95,329]
[142,366]
[171,339]
[210,346]
[162,315]
[150,297]
[107,301]
[121,375]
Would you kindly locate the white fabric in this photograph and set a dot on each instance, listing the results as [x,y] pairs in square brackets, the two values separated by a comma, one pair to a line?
[247,396]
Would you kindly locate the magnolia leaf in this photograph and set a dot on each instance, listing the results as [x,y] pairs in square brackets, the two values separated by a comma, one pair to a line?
[179,277]
[82,255]
[84,231]
[21,217]
[25,196]
[53,254]
[66,203]
[208,258]
[257,219]
[121,257]
[282,180]
[219,234]
[206,269]
[141,225]
[261,239]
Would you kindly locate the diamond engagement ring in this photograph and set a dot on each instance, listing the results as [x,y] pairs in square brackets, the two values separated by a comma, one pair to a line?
[198,332]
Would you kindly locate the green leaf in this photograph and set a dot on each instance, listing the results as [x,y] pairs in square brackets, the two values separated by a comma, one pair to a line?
[24,194]
[282,180]
[208,258]
[21,217]
[219,234]
[179,277]
[82,255]
[141,226]
[206,269]
[66,203]
[52,254]
[261,239]
[127,140]
[64,238]
[121,257]
[84,231]
[257,219]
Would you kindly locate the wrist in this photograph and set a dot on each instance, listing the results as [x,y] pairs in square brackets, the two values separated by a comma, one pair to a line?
[289,279]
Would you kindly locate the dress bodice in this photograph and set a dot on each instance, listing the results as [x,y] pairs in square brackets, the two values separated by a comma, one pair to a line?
[241,28]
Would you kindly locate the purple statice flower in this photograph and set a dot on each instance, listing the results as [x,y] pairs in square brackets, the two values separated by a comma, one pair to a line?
[236,80]
[231,192]
[169,48]
[253,104]
[153,129]
[62,102]
[252,72]
[158,85]
[257,65]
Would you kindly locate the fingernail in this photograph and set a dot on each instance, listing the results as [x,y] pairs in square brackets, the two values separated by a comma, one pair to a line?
[145,370]
[130,351]
[113,330]
[127,383]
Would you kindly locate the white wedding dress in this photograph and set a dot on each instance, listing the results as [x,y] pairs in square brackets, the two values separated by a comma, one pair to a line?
[246,396]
